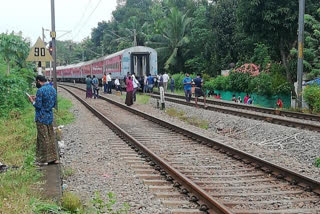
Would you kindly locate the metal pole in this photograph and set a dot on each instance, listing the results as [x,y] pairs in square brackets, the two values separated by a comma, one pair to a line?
[43,34]
[134,37]
[53,35]
[300,51]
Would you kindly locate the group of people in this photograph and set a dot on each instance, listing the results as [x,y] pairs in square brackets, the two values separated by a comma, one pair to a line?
[132,86]
[92,84]
[246,100]
[162,80]
[197,82]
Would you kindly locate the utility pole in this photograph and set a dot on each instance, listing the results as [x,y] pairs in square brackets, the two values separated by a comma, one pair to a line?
[134,37]
[53,36]
[300,51]
[43,34]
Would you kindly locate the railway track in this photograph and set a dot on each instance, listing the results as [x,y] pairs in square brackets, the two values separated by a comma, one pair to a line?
[220,178]
[272,111]
[286,118]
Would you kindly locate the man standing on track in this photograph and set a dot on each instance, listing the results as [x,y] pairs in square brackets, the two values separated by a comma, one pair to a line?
[187,87]
[198,90]
[165,81]
[44,101]
[109,80]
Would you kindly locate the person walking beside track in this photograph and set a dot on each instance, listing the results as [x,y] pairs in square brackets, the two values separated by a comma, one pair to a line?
[187,87]
[165,78]
[44,101]
[129,89]
[88,87]
[198,91]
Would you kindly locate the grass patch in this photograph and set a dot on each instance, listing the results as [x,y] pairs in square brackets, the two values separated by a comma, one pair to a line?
[176,91]
[63,116]
[143,99]
[71,202]
[203,124]
[19,189]
[67,172]
[317,162]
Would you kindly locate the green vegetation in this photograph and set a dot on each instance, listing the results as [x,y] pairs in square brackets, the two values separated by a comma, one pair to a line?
[20,185]
[17,147]
[317,162]
[106,207]
[312,43]
[206,36]
[71,202]
[67,172]
[311,95]
[143,99]
[63,116]
[203,124]
[13,50]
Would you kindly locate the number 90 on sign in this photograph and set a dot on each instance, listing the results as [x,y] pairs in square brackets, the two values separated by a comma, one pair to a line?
[39,52]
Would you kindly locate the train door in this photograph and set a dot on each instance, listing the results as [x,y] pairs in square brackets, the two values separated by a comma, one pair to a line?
[140,64]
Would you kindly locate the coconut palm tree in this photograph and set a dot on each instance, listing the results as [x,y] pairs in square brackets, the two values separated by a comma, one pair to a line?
[172,37]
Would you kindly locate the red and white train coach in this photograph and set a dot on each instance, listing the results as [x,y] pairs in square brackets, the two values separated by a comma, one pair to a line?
[139,60]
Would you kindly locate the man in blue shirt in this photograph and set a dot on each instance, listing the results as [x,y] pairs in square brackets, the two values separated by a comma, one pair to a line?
[44,101]
[150,82]
[187,87]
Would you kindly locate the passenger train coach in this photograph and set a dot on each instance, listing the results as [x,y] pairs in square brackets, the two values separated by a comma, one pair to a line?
[138,60]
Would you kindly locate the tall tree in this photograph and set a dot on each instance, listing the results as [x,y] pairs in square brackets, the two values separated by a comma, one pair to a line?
[172,38]
[198,59]
[13,49]
[272,22]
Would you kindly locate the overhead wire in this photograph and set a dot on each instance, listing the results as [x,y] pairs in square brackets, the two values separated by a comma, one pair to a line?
[88,18]
[77,25]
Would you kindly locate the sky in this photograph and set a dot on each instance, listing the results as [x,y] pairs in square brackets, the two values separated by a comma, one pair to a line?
[77,16]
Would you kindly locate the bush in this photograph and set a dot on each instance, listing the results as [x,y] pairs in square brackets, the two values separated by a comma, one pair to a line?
[315,73]
[261,84]
[317,162]
[218,83]
[71,202]
[311,95]
[239,81]
[12,90]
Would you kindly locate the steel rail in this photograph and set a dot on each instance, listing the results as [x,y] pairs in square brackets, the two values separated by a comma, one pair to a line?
[279,172]
[278,112]
[270,119]
[193,188]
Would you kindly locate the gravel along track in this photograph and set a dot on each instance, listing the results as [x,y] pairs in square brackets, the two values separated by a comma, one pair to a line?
[239,186]
[313,125]
[291,148]
[101,162]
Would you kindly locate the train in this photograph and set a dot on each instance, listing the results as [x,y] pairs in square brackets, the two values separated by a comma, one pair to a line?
[140,61]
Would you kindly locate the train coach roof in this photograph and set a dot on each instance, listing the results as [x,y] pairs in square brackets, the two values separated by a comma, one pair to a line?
[132,49]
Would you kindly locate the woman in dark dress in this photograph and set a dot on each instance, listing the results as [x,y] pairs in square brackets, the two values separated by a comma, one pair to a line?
[129,89]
